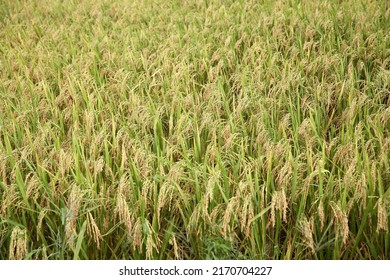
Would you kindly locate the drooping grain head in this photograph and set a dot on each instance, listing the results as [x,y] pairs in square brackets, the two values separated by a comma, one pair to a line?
[231,207]
[73,206]
[125,216]
[279,203]
[138,235]
[18,244]
[93,230]
[307,233]
[383,213]
[341,224]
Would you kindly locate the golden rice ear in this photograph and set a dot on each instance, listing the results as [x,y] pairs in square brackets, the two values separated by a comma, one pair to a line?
[231,207]
[33,186]
[173,242]
[73,206]
[341,224]
[10,197]
[18,244]
[152,241]
[123,213]
[306,230]
[279,203]
[382,216]
[194,219]
[124,186]
[284,175]
[247,211]
[93,230]
[98,166]
[150,246]
[3,166]
[138,235]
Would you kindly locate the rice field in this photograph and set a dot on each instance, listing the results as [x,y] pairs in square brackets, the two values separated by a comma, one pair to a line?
[194,129]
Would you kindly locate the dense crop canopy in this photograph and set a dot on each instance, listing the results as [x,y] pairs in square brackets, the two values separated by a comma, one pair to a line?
[211,129]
